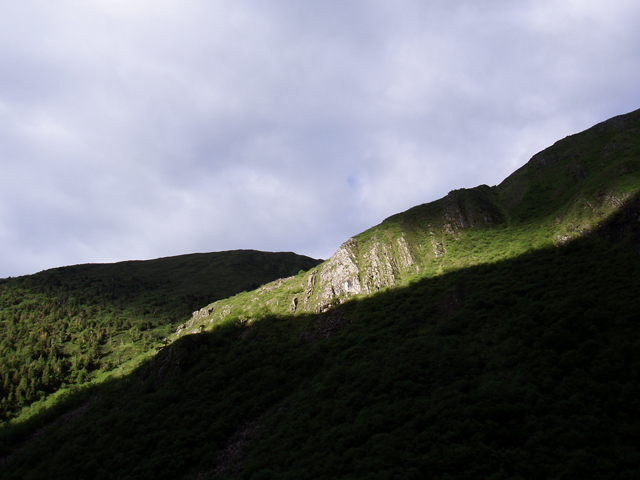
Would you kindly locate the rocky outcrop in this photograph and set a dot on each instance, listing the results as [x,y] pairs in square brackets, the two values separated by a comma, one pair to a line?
[405,259]
[378,272]
[562,193]
[340,274]
[437,247]
[389,255]
[453,212]
[364,267]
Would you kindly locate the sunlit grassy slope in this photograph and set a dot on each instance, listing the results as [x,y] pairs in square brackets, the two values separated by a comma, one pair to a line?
[490,334]
[563,193]
[524,368]
[64,326]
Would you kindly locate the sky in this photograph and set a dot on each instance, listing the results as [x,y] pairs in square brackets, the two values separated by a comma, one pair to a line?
[138,129]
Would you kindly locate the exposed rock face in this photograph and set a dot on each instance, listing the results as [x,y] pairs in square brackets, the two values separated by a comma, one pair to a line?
[381,258]
[293,305]
[340,275]
[438,248]
[549,193]
[311,282]
[379,272]
[453,212]
[405,259]
[351,270]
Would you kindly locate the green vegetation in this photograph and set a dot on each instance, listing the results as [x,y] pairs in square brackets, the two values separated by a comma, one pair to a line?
[491,334]
[483,372]
[64,326]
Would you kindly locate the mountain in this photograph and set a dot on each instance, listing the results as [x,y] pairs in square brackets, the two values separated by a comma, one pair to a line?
[493,333]
[66,325]
[563,193]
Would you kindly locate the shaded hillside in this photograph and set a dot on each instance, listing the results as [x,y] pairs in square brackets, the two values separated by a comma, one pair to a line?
[525,368]
[493,333]
[61,326]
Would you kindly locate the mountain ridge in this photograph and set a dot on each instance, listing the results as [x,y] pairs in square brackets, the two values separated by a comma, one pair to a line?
[492,333]
[563,192]
[64,326]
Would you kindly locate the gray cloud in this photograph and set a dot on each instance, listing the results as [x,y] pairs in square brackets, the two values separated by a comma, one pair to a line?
[138,129]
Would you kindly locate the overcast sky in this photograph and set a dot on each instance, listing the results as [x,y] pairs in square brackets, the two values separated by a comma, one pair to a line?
[142,129]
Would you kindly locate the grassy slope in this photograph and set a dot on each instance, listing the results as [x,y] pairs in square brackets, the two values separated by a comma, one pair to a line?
[563,193]
[483,372]
[62,326]
[560,193]
[514,356]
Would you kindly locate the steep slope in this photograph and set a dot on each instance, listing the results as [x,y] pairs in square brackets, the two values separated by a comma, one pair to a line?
[525,368]
[63,326]
[562,193]
[491,334]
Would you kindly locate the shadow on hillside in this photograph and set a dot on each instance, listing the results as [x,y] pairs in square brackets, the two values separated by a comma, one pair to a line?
[498,345]
[623,225]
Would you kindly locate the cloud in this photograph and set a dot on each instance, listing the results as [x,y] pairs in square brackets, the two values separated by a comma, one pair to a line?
[138,129]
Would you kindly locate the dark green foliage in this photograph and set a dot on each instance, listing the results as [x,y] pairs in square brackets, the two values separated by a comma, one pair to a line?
[515,355]
[487,372]
[60,325]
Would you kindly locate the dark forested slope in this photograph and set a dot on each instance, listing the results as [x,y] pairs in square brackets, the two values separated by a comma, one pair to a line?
[494,333]
[61,326]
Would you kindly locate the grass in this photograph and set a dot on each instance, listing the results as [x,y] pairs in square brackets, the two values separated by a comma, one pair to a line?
[512,353]
[69,325]
[479,372]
